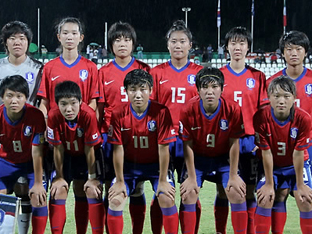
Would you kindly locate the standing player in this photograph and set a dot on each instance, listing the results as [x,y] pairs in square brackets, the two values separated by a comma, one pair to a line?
[141,132]
[21,137]
[121,40]
[283,135]
[294,46]
[73,131]
[174,85]
[210,130]
[246,86]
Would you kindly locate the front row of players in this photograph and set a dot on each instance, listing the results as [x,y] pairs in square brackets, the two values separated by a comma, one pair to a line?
[210,127]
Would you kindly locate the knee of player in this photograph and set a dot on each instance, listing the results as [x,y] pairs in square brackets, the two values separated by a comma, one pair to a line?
[117,203]
[190,198]
[235,197]
[92,193]
[165,201]
[60,193]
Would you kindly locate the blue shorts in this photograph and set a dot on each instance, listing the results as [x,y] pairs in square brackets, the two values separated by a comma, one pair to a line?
[109,172]
[176,156]
[10,173]
[285,177]
[213,169]
[135,173]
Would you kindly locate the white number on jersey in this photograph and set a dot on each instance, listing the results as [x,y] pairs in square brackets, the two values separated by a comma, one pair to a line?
[124,95]
[210,140]
[281,149]
[142,143]
[17,146]
[238,97]
[178,95]
[297,102]
[75,143]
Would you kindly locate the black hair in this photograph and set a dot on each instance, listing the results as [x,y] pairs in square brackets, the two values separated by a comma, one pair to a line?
[238,33]
[13,28]
[209,75]
[138,77]
[121,29]
[295,38]
[15,83]
[179,25]
[67,89]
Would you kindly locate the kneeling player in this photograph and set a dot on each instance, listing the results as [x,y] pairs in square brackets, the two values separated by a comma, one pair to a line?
[21,137]
[282,133]
[210,130]
[73,131]
[141,132]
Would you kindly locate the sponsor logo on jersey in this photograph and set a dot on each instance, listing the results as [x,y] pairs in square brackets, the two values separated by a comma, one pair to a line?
[83,74]
[151,125]
[108,82]
[125,129]
[191,79]
[250,83]
[224,124]
[54,78]
[94,136]
[163,81]
[27,131]
[293,133]
[308,89]
[29,77]
[79,132]
[50,133]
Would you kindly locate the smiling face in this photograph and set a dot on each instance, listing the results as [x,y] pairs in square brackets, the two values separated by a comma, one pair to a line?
[238,48]
[70,36]
[179,45]
[294,54]
[17,45]
[122,47]
[69,107]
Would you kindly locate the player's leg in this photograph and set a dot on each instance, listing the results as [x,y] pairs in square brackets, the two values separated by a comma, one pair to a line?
[221,210]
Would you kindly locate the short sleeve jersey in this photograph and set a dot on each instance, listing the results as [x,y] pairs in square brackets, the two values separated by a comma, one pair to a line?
[73,136]
[141,135]
[211,135]
[112,91]
[282,138]
[82,71]
[17,138]
[248,89]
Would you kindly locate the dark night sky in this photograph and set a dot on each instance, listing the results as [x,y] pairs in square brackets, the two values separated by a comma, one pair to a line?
[152,18]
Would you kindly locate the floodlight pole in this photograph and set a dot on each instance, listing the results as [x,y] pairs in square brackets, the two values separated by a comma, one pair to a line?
[186,9]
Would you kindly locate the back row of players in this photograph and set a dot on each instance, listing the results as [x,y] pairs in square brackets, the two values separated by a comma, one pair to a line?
[174,84]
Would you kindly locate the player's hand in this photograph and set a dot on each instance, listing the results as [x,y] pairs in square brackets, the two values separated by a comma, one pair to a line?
[235,182]
[116,189]
[166,188]
[95,186]
[265,195]
[56,185]
[188,186]
[38,194]
[304,193]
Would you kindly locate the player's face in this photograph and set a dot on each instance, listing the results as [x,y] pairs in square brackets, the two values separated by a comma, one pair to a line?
[179,45]
[281,102]
[210,94]
[294,54]
[13,101]
[69,107]
[17,45]
[122,47]
[238,48]
[70,36]
[139,96]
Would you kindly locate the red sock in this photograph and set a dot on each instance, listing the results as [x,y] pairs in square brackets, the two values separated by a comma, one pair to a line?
[137,210]
[105,213]
[96,215]
[39,219]
[262,220]
[306,222]
[221,211]
[57,215]
[187,218]
[156,217]
[239,217]
[114,221]
[279,217]
[251,208]
[81,214]
[170,220]
[198,213]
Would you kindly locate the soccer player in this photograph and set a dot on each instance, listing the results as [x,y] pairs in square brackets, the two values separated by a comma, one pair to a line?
[294,46]
[174,85]
[141,132]
[21,137]
[121,40]
[73,132]
[246,86]
[283,135]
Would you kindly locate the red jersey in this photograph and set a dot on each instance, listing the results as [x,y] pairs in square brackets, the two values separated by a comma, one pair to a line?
[74,136]
[16,138]
[174,87]
[248,89]
[282,138]
[112,91]
[83,72]
[211,134]
[141,135]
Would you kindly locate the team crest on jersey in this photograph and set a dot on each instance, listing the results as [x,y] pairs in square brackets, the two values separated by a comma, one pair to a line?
[83,74]
[29,77]
[2,214]
[224,124]
[27,131]
[180,127]
[79,132]
[293,133]
[250,83]
[191,79]
[308,89]
[151,125]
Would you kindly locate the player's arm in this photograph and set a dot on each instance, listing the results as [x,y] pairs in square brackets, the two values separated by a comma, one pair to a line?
[44,106]
[92,104]
[190,183]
